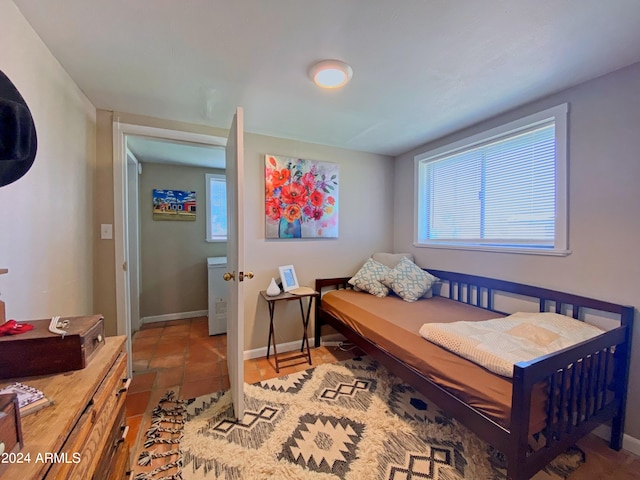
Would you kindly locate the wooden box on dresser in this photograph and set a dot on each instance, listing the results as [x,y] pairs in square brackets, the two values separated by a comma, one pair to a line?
[82,434]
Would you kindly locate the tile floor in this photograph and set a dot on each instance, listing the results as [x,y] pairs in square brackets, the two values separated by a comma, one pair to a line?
[179,355]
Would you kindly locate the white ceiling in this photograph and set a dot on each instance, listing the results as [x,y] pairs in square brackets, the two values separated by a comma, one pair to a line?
[422,68]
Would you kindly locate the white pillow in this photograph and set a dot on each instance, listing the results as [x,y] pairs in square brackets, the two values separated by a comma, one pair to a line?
[369,278]
[409,281]
[390,259]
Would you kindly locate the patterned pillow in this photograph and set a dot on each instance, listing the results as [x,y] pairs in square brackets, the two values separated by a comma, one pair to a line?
[369,278]
[409,281]
[390,259]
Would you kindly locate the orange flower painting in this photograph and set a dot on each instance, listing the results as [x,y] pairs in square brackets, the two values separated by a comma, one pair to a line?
[301,198]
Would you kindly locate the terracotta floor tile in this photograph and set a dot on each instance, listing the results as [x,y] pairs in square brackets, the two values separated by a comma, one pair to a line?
[143,353]
[206,357]
[145,342]
[200,329]
[152,325]
[169,348]
[142,382]
[174,339]
[169,376]
[252,376]
[181,330]
[197,370]
[168,361]
[207,342]
[263,362]
[200,387]
[251,364]
[136,403]
[179,321]
[134,429]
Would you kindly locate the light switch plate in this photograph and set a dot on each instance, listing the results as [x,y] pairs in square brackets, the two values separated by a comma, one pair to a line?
[106,231]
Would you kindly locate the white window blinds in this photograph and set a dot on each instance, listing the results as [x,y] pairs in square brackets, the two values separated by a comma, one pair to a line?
[497,192]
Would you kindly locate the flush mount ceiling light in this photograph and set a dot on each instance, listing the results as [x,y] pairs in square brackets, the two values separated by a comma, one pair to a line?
[330,73]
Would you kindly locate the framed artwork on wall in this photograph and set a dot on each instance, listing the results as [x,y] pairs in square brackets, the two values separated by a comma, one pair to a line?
[301,198]
[174,205]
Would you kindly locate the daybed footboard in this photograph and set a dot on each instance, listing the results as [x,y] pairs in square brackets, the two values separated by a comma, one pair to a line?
[581,394]
[585,384]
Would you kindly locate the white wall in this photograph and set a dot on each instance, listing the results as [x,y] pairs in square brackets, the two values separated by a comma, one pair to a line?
[45,219]
[604,206]
[365,202]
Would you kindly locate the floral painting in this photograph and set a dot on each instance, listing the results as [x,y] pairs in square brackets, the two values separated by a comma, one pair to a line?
[301,198]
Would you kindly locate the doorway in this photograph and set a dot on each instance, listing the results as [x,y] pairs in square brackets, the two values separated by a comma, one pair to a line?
[126,165]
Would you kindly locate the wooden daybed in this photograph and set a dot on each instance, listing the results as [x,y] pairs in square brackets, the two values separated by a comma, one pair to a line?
[594,373]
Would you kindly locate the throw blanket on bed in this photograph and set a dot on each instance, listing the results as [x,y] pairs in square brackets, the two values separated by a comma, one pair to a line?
[500,343]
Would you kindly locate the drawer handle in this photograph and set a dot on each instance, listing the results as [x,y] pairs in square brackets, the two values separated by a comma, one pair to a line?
[98,339]
[125,431]
[125,387]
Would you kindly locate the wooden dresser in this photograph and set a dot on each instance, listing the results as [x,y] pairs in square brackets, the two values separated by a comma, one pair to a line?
[82,435]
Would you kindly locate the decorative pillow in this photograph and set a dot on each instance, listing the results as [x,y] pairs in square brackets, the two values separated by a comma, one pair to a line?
[409,281]
[369,278]
[390,259]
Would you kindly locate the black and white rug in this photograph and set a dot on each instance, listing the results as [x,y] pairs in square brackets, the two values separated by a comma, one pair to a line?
[350,420]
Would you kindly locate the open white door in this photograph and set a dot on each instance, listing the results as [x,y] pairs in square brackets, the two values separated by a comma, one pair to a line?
[235,262]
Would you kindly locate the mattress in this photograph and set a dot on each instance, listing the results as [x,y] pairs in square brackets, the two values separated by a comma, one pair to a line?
[393,324]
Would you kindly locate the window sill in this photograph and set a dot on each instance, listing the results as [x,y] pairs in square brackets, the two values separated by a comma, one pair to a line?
[216,240]
[499,249]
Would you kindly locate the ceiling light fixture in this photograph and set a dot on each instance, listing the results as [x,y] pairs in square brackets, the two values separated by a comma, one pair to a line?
[330,73]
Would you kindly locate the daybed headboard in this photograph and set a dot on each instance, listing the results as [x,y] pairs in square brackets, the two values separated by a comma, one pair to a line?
[479,291]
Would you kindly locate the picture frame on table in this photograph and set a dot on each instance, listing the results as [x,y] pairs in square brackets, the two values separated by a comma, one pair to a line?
[288,278]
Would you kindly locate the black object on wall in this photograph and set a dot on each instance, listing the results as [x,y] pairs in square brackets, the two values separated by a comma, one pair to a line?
[18,141]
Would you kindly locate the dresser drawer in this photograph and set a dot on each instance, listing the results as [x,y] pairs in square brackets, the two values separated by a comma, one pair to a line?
[10,432]
[115,457]
[89,440]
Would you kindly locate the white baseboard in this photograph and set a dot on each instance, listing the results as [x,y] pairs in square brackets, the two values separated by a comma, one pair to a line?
[629,443]
[281,347]
[174,316]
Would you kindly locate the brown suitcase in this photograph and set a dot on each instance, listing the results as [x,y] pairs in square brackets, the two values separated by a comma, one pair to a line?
[40,352]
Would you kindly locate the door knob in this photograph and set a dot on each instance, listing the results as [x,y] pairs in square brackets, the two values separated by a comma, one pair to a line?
[229,276]
[248,275]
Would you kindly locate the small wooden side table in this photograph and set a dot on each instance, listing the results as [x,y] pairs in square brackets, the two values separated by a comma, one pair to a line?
[287,297]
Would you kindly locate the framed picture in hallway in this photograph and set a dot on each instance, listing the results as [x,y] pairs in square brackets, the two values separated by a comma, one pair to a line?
[301,198]
[174,205]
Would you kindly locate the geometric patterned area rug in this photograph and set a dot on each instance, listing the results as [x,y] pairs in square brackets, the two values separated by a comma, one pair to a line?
[349,420]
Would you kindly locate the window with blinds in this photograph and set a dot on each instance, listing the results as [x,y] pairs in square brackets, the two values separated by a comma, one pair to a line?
[216,207]
[504,189]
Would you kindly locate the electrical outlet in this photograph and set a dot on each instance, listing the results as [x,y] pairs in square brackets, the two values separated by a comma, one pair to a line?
[106,231]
